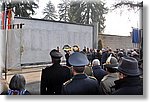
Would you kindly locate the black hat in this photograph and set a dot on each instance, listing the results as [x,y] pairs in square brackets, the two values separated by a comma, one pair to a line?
[78,59]
[55,54]
[112,64]
[129,66]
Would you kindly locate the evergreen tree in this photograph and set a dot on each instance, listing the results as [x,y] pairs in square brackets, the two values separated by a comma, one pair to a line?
[63,10]
[50,11]
[24,8]
[88,12]
[74,12]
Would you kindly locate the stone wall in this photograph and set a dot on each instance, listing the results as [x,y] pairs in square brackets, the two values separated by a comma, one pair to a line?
[32,44]
[115,41]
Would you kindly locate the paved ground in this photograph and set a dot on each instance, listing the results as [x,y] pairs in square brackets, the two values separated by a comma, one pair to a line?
[32,76]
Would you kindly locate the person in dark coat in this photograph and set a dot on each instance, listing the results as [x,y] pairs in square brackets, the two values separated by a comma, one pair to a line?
[120,55]
[129,82]
[89,55]
[98,72]
[67,57]
[98,55]
[104,56]
[54,76]
[80,84]
[67,50]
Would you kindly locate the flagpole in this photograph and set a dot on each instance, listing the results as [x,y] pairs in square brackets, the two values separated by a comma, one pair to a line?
[5,32]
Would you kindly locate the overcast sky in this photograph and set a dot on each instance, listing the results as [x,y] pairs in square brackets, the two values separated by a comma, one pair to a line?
[116,23]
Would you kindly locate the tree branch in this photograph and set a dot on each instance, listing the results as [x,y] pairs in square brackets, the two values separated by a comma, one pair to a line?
[129,4]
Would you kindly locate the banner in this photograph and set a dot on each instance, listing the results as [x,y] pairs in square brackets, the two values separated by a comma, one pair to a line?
[136,35]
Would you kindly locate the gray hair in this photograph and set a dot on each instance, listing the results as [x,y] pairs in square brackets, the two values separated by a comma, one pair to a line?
[17,82]
[95,62]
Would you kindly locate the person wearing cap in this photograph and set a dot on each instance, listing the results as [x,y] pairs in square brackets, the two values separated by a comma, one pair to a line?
[107,83]
[54,76]
[129,82]
[76,48]
[67,50]
[80,83]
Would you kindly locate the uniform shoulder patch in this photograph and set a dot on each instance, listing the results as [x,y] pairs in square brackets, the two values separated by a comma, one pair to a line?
[67,82]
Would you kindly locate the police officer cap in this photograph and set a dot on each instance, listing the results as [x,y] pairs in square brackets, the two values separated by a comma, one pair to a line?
[67,48]
[55,54]
[78,59]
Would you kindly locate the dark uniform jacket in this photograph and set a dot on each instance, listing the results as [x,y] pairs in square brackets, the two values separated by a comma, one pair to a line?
[53,78]
[67,57]
[81,84]
[129,86]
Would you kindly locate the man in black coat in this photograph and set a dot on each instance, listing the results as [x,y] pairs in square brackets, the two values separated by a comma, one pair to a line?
[67,57]
[129,83]
[54,76]
[98,72]
[80,84]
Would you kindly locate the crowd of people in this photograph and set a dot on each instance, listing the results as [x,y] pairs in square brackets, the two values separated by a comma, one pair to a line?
[88,72]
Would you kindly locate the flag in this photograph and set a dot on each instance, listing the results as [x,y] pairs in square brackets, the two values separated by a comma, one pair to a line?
[4,17]
[136,35]
[9,18]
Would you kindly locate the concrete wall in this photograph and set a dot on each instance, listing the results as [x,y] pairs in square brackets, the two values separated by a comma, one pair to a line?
[114,41]
[37,38]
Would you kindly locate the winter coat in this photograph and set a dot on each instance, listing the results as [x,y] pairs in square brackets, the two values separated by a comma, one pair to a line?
[107,83]
[52,79]
[129,86]
[81,84]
